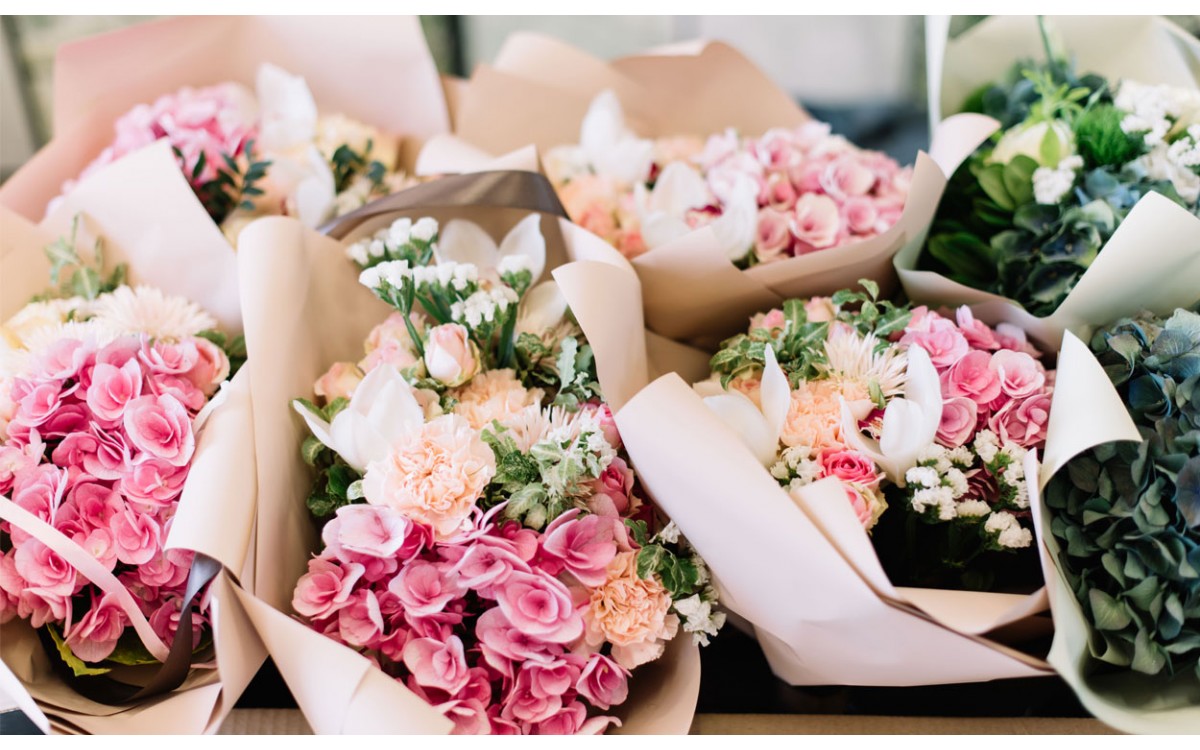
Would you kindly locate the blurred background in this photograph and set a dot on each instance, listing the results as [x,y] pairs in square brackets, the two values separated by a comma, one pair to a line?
[863,74]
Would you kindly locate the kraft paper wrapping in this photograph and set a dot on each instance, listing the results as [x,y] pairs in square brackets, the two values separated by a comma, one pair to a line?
[304,309]
[1154,256]
[216,510]
[537,92]
[803,571]
[100,78]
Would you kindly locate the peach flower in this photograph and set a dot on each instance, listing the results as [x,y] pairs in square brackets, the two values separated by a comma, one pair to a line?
[389,342]
[814,415]
[631,612]
[433,475]
[494,395]
[339,382]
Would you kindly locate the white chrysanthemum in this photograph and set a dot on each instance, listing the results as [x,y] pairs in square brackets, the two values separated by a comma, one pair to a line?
[144,309]
[528,427]
[853,358]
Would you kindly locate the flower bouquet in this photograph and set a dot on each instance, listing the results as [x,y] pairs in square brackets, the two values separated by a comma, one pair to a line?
[728,198]
[486,560]
[298,144]
[123,491]
[1078,178]
[1122,521]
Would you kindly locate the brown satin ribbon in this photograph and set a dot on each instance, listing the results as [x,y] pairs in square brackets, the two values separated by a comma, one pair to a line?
[171,673]
[528,191]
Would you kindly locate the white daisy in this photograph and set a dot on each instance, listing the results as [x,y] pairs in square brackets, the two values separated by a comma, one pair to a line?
[147,310]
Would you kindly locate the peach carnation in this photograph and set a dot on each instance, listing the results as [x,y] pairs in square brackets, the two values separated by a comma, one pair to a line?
[434,475]
[631,612]
[494,395]
[814,417]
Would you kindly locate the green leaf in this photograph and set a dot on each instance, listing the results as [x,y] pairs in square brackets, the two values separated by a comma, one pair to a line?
[130,651]
[638,530]
[1050,149]
[1107,613]
[77,665]
[1018,179]
[991,179]
[566,360]
[649,559]
[311,449]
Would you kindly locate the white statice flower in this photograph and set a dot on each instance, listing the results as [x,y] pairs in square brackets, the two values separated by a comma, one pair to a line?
[923,476]
[358,252]
[371,278]
[1021,498]
[1008,531]
[398,232]
[973,509]
[598,446]
[1161,164]
[376,248]
[668,534]
[699,618]
[931,454]
[424,229]
[956,481]
[936,497]
[510,264]
[987,445]
[483,305]
[1050,186]
[961,457]
[148,310]
[1154,109]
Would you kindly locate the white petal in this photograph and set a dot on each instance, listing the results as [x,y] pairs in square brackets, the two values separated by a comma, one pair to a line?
[610,147]
[776,394]
[603,124]
[738,223]
[319,427]
[314,197]
[465,242]
[287,109]
[743,417]
[925,389]
[677,190]
[526,239]
[542,307]
[710,387]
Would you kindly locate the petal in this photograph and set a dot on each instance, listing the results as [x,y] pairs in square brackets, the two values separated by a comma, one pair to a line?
[736,227]
[743,417]
[319,427]
[526,239]
[542,307]
[314,196]
[610,147]
[287,110]
[464,241]
[776,394]
[678,189]
[925,389]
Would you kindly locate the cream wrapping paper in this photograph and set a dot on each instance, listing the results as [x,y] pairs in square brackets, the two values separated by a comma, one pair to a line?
[1154,255]
[304,309]
[100,78]
[216,509]
[537,92]
[803,571]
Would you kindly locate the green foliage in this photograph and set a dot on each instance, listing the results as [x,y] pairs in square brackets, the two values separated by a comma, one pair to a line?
[347,164]
[234,187]
[77,665]
[72,276]
[1126,514]
[1102,142]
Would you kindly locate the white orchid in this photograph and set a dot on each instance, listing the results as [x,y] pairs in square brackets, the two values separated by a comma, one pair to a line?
[910,423]
[679,189]
[382,410]
[465,242]
[609,146]
[758,426]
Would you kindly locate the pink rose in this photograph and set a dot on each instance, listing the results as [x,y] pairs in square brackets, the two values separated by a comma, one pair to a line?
[360,622]
[112,388]
[780,193]
[450,355]
[959,419]
[523,704]
[211,368]
[138,536]
[94,636]
[339,382]
[616,481]
[603,682]
[774,149]
[166,358]
[178,387]
[1023,421]
[972,377]
[846,177]
[325,588]
[860,504]
[502,644]
[160,426]
[815,221]
[584,545]
[806,175]
[425,588]
[774,238]
[861,215]
[819,310]
[367,530]
[937,336]
[153,481]
[976,332]
[1020,374]
[850,466]
[438,665]
[540,606]
[769,320]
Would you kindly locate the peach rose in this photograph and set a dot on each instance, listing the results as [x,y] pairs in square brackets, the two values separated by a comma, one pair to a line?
[389,342]
[631,612]
[339,382]
[494,395]
[450,355]
[433,475]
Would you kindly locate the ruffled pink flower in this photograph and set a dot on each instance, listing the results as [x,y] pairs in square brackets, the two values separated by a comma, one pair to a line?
[774,237]
[43,569]
[425,588]
[66,420]
[850,466]
[960,417]
[584,545]
[165,620]
[94,636]
[1020,374]
[366,530]
[469,716]
[439,665]
[13,461]
[815,221]
[179,388]
[138,536]
[325,588]
[1023,421]
[160,572]
[95,503]
[937,336]
[39,490]
[360,623]
[540,606]
[603,682]
[572,719]
[160,426]
[489,562]
[977,333]
[524,705]
[973,378]
[502,644]
[861,215]
[37,403]
[100,544]
[112,388]
[111,458]
[211,368]
[846,177]
[153,481]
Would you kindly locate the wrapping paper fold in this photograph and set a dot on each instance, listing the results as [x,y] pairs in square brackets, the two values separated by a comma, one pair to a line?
[100,78]
[216,510]
[304,309]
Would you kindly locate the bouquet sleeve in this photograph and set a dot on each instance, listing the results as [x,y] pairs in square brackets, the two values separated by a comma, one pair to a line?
[327,316]
[215,512]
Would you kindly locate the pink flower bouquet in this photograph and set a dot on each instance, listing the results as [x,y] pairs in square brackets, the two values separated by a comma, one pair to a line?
[484,538]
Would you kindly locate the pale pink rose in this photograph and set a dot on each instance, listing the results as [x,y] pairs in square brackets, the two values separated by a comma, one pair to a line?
[138,536]
[846,177]
[160,426]
[630,612]
[769,320]
[850,466]
[861,505]
[959,418]
[806,175]
[179,388]
[630,242]
[390,343]
[1020,374]
[94,636]
[438,665]
[450,355]
[815,221]
[37,403]
[1023,421]
[780,193]
[774,150]
[977,333]
[433,475]
[112,388]
[719,147]
[338,382]
[360,622]
[616,481]
[502,644]
[597,218]
[169,358]
[819,310]
[603,682]
[524,705]
[153,481]
[584,545]
[325,588]
[367,530]
[774,238]
[539,606]
[43,569]
[425,588]
[723,179]
[212,366]
[861,215]
[972,377]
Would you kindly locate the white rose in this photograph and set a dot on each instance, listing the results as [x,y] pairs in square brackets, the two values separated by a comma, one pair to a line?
[1026,140]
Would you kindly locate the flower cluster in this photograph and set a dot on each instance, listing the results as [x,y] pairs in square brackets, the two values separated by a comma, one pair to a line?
[98,400]
[246,154]
[786,193]
[1028,213]
[900,405]
[1126,514]
[485,542]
